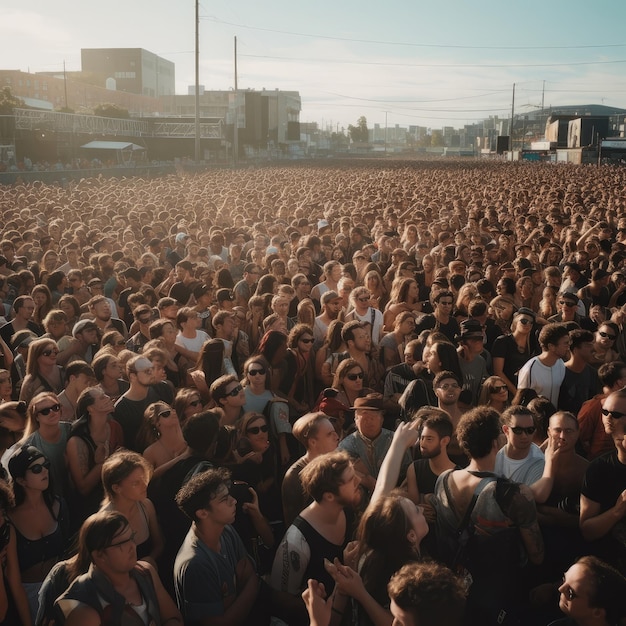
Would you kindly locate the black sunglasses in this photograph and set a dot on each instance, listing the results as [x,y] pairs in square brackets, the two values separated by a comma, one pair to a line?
[50,352]
[525,321]
[258,372]
[354,376]
[255,430]
[614,414]
[607,336]
[39,467]
[567,303]
[235,392]
[46,410]
[518,430]
[195,402]
[306,340]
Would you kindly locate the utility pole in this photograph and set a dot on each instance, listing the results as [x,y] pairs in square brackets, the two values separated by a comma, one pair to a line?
[65,83]
[197,54]
[236,126]
[386,132]
[512,117]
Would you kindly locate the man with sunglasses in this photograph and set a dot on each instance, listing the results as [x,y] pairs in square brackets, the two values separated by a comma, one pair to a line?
[520,459]
[581,379]
[603,494]
[571,309]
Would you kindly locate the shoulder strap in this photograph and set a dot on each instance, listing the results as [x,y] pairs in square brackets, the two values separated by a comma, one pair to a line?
[468,512]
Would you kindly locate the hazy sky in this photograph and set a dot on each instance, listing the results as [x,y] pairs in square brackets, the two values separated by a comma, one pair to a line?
[426,63]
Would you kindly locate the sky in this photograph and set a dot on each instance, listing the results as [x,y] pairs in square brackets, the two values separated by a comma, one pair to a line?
[433,64]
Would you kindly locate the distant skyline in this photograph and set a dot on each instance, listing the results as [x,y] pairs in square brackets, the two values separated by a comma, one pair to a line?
[428,64]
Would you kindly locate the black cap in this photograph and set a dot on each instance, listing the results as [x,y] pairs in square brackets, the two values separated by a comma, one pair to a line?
[21,460]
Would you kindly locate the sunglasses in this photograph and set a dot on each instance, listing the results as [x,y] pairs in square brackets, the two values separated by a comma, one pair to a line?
[255,430]
[613,414]
[498,389]
[525,321]
[39,467]
[355,376]
[165,413]
[518,430]
[364,299]
[195,402]
[567,303]
[50,352]
[448,386]
[306,340]
[121,342]
[235,392]
[46,410]
[607,336]
[258,372]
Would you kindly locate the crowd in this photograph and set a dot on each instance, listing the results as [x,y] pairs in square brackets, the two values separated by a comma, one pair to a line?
[332,395]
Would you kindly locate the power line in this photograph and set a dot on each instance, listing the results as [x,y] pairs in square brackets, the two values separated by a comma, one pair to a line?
[410,44]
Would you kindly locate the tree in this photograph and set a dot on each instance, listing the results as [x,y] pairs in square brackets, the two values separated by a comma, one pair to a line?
[111,110]
[359,133]
[8,102]
[436,139]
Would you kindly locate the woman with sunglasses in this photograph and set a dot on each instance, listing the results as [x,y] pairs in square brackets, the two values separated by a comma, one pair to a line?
[187,403]
[161,434]
[112,343]
[494,393]
[45,430]
[109,372]
[604,344]
[94,436]
[117,588]
[511,351]
[40,519]
[42,371]
[125,478]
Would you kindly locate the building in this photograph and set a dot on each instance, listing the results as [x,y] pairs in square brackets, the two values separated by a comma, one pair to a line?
[133,70]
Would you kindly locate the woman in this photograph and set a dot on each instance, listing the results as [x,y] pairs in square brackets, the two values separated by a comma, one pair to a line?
[108,539]
[333,344]
[305,312]
[108,371]
[547,304]
[187,403]
[393,343]
[43,303]
[165,330]
[93,438]
[604,344]
[267,284]
[42,371]
[6,386]
[112,342]
[494,393]
[510,352]
[14,609]
[426,277]
[45,430]
[209,367]
[161,434]
[125,477]
[378,294]
[503,309]
[40,519]
[466,294]
[297,384]
[329,279]
[389,536]
[57,284]
[404,297]
[71,307]
[273,346]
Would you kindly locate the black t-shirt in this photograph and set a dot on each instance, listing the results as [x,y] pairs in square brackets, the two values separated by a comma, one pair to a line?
[604,481]
[505,347]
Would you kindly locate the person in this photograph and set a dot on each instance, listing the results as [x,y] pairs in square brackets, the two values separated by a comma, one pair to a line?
[523,461]
[79,375]
[316,433]
[320,532]
[162,434]
[500,515]
[42,371]
[115,583]
[581,379]
[108,372]
[24,307]
[394,343]
[125,477]
[360,299]
[190,339]
[494,393]
[441,318]
[143,391]
[214,577]
[435,435]
[473,365]
[545,373]
[605,344]
[369,444]
[330,306]
[591,594]
[187,402]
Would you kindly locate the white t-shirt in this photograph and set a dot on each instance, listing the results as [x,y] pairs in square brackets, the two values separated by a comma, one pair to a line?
[194,344]
[376,326]
[527,471]
[546,381]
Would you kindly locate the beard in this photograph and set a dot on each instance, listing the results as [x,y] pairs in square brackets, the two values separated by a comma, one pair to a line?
[430,454]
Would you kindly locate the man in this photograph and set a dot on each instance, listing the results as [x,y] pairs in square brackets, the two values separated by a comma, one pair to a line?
[96,288]
[78,375]
[567,307]
[77,286]
[214,577]
[168,309]
[319,532]
[225,300]
[502,514]
[302,289]
[83,345]
[144,317]
[331,303]
[473,365]
[435,435]
[545,373]
[24,307]
[360,299]
[581,379]
[603,494]
[133,284]
[99,307]
[523,461]
[203,295]
[190,339]
[442,302]
[399,376]
[244,289]
[143,391]
[224,329]
[593,438]
[182,289]
[280,306]
[369,444]
[315,432]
